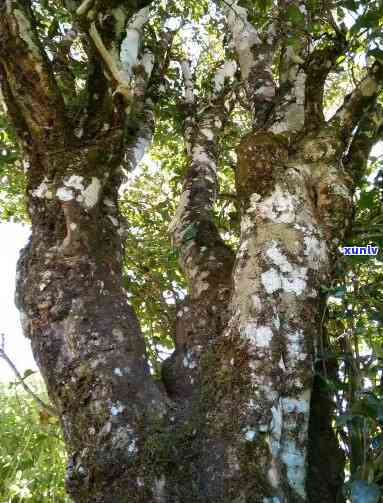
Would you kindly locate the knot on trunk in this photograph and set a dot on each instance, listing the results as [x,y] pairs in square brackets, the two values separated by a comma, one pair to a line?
[259,156]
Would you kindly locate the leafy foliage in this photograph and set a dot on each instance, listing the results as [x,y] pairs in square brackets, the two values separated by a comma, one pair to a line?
[12,177]
[355,305]
[32,456]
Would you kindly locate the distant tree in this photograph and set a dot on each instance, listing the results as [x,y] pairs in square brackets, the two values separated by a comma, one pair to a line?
[278,104]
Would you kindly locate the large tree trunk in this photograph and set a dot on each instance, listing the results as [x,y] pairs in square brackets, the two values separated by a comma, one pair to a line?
[230,419]
[85,337]
[236,425]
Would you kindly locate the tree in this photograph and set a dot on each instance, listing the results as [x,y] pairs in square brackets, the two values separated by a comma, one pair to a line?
[235,413]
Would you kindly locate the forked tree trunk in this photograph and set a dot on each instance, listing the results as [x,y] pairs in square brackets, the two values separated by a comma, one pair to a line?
[235,427]
[238,416]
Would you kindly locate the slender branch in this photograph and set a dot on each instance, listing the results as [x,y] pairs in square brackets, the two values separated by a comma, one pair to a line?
[40,402]
[318,65]
[289,111]
[254,51]
[140,125]
[369,132]
[84,7]
[113,66]
[359,102]
[188,81]
[193,230]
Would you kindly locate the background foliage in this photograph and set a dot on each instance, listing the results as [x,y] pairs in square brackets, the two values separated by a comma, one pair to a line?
[32,456]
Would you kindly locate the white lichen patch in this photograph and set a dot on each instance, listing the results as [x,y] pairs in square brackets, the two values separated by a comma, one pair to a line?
[295,282]
[75,182]
[268,91]
[299,405]
[72,226]
[132,447]
[200,156]
[227,71]
[278,258]
[259,336]
[232,460]
[117,409]
[114,220]
[42,189]
[92,193]
[276,321]
[295,345]
[159,490]
[208,134]
[316,251]
[109,203]
[217,123]
[295,460]
[250,435]
[271,280]
[280,207]
[273,474]
[200,285]
[189,360]
[64,194]
[147,62]
[118,333]
[247,224]
[276,428]
[118,372]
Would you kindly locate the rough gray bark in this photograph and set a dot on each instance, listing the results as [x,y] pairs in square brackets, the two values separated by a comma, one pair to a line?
[237,416]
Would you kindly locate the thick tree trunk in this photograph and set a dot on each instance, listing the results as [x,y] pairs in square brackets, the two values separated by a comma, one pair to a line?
[85,337]
[236,426]
[238,415]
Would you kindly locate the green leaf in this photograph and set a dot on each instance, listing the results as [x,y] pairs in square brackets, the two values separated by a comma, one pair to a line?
[28,373]
[376,53]
[294,15]
[366,199]
[350,4]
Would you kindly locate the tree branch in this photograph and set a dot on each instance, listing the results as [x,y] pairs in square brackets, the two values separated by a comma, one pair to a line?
[205,258]
[255,52]
[29,76]
[319,64]
[369,132]
[140,125]
[288,114]
[359,102]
